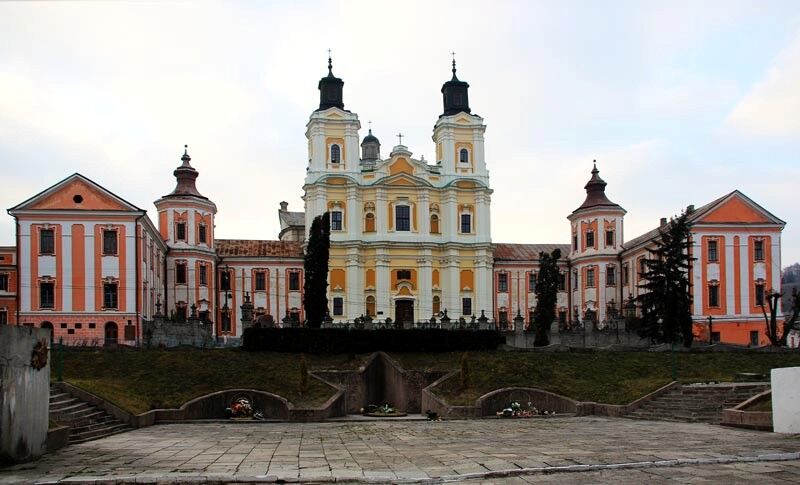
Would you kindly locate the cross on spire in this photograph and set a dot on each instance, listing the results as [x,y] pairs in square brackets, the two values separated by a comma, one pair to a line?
[454,62]
[370,126]
[330,62]
[400,138]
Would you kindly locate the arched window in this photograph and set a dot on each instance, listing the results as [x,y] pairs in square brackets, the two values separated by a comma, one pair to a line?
[48,326]
[369,222]
[336,154]
[463,155]
[437,305]
[111,333]
[371,306]
[434,224]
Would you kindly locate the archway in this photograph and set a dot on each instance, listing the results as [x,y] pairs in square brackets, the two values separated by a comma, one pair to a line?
[111,333]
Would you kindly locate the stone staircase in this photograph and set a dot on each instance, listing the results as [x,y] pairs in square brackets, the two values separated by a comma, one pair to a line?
[697,403]
[86,422]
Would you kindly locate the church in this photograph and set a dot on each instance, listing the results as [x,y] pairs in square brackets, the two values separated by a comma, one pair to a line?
[410,240]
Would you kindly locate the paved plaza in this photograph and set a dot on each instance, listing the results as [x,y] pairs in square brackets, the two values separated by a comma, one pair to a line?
[563,450]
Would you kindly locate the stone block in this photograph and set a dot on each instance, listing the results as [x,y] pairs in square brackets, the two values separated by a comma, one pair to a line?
[786,400]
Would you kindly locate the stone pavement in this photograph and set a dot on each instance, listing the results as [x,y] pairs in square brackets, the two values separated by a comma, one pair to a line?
[567,450]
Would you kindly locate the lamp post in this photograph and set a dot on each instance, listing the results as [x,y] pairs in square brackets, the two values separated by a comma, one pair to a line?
[710,330]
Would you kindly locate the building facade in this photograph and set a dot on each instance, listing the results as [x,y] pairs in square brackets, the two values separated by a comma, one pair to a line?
[410,240]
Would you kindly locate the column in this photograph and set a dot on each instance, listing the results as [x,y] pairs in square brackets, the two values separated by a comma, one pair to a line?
[424,214]
[382,300]
[483,284]
[190,227]
[425,285]
[477,151]
[449,225]
[353,214]
[380,213]
[451,292]
[354,287]
[353,160]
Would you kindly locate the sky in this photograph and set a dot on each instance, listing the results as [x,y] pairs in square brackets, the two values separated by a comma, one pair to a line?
[679,102]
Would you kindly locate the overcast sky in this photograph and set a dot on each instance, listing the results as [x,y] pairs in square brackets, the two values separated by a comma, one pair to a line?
[679,102]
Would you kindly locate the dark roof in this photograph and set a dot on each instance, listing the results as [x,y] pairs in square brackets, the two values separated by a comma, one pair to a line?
[256,248]
[186,176]
[596,194]
[292,218]
[370,138]
[526,252]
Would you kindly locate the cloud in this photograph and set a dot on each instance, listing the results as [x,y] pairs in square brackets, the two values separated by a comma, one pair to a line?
[772,107]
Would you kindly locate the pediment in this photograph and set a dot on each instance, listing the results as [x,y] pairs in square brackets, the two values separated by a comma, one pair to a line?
[737,209]
[76,192]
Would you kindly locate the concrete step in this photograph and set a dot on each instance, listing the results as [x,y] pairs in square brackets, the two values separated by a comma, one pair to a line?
[69,407]
[97,433]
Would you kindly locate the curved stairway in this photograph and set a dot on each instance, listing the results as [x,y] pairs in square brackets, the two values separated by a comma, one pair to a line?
[86,422]
[697,403]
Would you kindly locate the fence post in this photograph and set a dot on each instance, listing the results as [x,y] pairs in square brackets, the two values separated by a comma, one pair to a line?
[60,360]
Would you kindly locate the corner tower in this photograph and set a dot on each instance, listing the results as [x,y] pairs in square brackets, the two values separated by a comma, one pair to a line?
[597,237]
[186,223]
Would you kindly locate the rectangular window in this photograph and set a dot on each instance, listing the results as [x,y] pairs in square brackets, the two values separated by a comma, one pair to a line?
[3,317]
[760,294]
[531,282]
[403,218]
[758,250]
[574,242]
[625,275]
[562,282]
[336,221]
[109,243]
[47,295]
[502,282]
[754,338]
[180,231]
[590,239]
[294,281]
[201,234]
[203,276]
[110,295]
[466,223]
[180,273]
[466,306]
[713,255]
[713,296]
[338,306]
[403,274]
[3,282]
[590,277]
[261,281]
[47,243]
[611,276]
[609,238]
[715,337]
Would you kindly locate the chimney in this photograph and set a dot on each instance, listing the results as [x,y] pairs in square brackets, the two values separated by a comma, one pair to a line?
[284,206]
[689,209]
[663,221]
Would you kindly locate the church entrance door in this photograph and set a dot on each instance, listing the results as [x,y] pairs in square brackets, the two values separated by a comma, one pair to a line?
[404,313]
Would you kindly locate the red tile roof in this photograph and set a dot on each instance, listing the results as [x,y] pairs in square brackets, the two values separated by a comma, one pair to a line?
[248,247]
[526,252]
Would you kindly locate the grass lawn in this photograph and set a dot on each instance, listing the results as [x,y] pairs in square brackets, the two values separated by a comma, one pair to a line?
[146,379]
[607,377]
[139,381]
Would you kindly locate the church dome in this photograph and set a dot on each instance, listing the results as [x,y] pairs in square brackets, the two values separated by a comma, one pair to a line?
[370,147]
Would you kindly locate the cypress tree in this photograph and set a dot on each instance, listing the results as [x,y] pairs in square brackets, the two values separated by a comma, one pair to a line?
[315,264]
[546,296]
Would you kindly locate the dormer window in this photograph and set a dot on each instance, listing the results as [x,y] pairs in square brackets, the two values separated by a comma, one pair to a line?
[463,155]
[336,154]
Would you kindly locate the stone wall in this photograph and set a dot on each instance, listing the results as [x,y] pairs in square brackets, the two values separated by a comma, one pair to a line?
[164,333]
[786,400]
[24,392]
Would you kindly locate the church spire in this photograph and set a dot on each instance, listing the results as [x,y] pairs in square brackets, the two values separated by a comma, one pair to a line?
[455,94]
[596,192]
[330,89]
